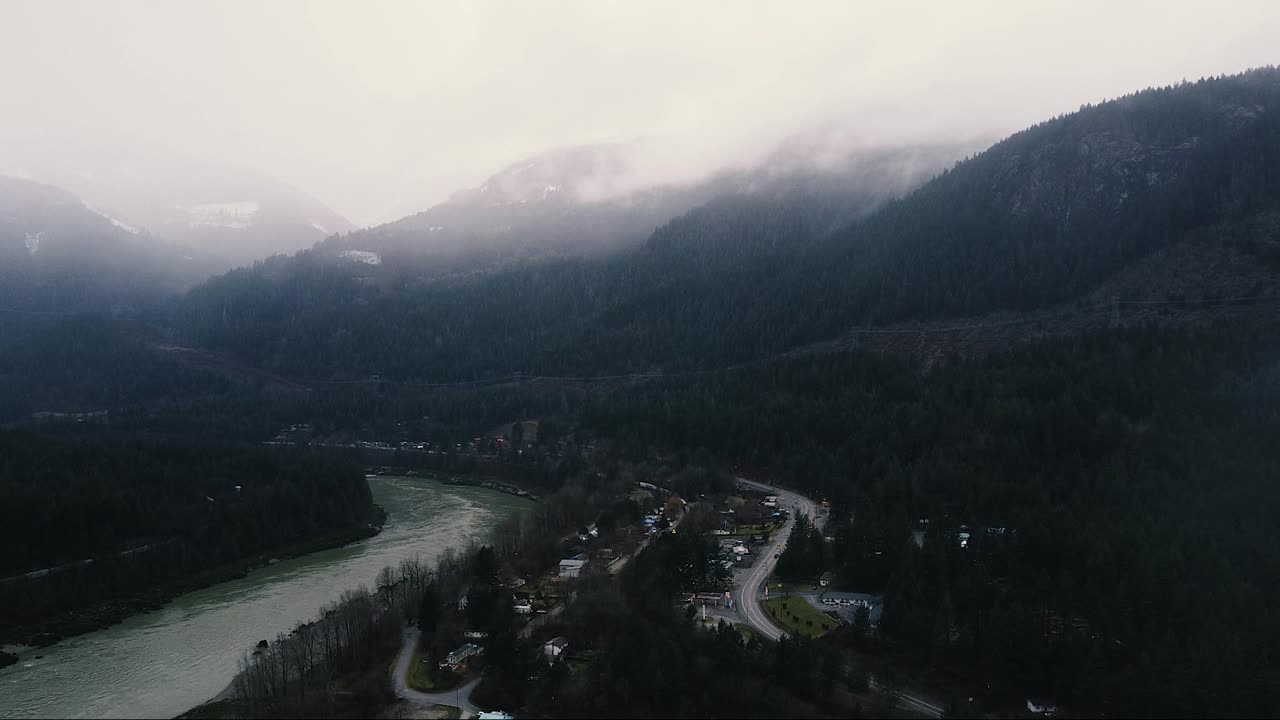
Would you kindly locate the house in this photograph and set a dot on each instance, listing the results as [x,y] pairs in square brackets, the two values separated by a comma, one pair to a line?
[522,607]
[555,647]
[1041,707]
[496,715]
[460,656]
[571,567]
[826,578]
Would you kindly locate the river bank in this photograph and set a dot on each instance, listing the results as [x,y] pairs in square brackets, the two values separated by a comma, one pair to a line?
[160,664]
[104,615]
[465,480]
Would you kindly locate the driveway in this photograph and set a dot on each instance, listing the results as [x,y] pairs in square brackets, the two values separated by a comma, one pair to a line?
[458,697]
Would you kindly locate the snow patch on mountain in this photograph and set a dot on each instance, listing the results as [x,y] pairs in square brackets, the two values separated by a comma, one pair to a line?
[114,221]
[363,256]
[232,215]
[33,242]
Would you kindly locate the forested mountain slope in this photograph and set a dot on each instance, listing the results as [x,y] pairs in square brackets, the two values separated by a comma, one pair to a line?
[1039,219]
[588,200]
[232,215]
[320,316]
[57,255]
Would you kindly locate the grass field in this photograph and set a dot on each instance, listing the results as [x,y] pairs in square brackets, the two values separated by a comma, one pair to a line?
[798,617]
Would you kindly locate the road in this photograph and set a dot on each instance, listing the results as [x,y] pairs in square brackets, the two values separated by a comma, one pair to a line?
[459,697]
[751,592]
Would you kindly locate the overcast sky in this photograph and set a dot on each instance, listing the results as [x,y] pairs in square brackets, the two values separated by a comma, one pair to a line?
[375,107]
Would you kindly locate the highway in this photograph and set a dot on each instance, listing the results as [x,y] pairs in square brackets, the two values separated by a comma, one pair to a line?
[750,595]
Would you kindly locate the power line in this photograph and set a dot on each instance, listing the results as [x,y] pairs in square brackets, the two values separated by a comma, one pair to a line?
[1219,301]
[17,311]
[1111,308]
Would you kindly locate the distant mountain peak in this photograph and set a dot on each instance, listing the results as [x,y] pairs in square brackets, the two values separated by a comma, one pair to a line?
[236,214]
[563,175]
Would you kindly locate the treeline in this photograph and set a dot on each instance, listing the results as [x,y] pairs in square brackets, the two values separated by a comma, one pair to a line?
[128,368]
[100,522]
[350,639]
[1115,491]
[805,555]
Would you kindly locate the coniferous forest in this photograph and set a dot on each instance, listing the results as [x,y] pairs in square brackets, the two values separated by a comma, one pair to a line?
[103,528]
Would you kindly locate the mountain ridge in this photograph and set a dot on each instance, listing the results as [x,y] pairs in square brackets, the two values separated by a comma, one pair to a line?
[1039,219]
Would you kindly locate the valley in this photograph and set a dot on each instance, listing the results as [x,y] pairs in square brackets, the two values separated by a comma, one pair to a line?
[843,424]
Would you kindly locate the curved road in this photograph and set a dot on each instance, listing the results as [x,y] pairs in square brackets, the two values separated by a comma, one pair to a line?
[461,697]
[750,595]
[458,697]
[751,592]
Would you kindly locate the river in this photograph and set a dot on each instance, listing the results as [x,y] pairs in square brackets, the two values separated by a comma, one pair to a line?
[162,663]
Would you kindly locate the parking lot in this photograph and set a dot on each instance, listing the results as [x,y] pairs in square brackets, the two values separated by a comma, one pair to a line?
[845,604]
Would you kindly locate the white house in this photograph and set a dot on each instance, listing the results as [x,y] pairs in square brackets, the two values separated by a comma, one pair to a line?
[556,647]
[522,607]
[457,657]
[571,567]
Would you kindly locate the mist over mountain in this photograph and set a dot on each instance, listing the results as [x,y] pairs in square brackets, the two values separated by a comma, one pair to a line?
[236,216]
[782,260]
[59,255]
[594,200]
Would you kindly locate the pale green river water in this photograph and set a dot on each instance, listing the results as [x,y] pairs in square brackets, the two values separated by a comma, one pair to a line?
[162,663]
